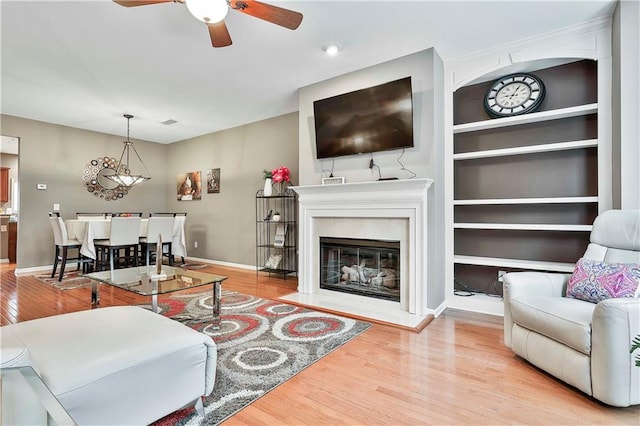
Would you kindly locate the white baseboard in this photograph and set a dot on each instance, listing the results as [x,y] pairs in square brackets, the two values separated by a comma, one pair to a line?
[440,309]
[4,261]
[29,271]
[221,263]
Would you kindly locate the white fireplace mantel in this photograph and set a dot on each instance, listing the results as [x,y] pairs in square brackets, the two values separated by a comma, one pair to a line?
[367,203]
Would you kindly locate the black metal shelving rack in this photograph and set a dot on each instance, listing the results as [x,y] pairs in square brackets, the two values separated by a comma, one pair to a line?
[286,203]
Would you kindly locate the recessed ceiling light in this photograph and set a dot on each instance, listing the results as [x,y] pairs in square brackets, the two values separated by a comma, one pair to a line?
[331,49]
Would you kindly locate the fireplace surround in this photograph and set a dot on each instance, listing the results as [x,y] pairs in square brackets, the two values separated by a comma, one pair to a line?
[382,210]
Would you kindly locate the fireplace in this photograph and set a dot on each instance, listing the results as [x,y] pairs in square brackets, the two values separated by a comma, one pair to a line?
[387,211]
[361,266]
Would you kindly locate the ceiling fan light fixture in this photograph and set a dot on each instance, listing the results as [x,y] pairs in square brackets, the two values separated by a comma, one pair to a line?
[208,11]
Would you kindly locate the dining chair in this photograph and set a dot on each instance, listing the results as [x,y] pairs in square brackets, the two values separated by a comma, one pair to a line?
[90,216]
[158,226]
[180,217]
[63,243]
[172,214]
[179,222]
[123,235]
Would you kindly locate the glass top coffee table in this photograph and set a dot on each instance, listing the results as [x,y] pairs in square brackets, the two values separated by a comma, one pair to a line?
[145,281]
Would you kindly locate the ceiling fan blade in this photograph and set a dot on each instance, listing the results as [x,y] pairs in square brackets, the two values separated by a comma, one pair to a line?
[131,3]
[274,14]
[219,34]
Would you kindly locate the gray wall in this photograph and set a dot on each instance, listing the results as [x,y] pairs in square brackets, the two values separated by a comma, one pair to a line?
[56,156]
[223,224]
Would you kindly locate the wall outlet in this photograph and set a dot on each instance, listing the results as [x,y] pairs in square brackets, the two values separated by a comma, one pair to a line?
[500,274]
[195,244]
[56,207]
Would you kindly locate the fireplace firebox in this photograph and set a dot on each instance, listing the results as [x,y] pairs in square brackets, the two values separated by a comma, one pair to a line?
[361,266]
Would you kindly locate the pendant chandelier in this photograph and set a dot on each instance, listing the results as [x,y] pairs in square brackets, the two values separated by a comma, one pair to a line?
[124,176]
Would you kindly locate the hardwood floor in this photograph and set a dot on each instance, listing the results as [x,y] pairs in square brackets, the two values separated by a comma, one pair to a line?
[456,371]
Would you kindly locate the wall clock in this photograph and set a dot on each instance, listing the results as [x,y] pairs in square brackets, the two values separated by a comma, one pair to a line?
[94,178]
[514,94]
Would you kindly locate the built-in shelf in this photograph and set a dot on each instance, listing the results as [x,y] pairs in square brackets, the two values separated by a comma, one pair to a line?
[531,149]
[535,117]
[501,201]
[514,263]
[524,226]
[479,302]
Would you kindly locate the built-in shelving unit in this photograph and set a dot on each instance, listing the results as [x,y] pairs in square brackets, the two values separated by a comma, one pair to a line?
[525,187]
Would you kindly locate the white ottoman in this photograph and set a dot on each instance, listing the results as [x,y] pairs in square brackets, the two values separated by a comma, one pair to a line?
[116,366]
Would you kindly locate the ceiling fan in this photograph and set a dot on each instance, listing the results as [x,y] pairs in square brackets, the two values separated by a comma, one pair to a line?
[213,12]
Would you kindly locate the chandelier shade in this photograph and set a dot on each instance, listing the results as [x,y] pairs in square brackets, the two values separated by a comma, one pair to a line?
[123,175]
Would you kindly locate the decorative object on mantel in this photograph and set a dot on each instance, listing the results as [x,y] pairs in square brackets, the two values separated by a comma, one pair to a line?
[333,180]
[124,177]
[95,179]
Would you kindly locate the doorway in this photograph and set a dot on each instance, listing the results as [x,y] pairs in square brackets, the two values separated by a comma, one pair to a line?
[9,198]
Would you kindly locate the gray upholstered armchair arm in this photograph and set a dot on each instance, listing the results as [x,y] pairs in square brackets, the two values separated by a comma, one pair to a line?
[615,378]
[518,284]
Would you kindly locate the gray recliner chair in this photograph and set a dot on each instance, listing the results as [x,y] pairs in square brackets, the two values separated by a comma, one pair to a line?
[585,344]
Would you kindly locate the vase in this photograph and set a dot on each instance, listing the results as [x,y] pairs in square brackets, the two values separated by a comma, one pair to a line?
[268,187]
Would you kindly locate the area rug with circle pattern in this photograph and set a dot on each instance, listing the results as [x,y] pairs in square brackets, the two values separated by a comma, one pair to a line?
[261,344]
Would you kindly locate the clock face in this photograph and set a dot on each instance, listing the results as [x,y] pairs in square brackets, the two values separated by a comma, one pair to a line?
[514,94]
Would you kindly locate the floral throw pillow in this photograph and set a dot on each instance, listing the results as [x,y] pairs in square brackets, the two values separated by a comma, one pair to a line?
[594,281]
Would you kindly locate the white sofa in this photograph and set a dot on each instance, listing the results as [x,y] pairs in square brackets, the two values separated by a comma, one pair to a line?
[116,365]
[585,344]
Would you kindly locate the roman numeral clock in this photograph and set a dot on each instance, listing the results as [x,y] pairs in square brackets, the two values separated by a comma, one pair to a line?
[514,94]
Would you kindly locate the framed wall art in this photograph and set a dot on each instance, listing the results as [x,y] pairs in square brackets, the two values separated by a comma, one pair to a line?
[189,186]
[213,181]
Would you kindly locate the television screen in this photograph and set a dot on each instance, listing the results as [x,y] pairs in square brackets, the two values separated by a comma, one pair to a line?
[377,118]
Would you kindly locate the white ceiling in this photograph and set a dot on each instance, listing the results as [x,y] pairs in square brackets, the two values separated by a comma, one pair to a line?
[85,63]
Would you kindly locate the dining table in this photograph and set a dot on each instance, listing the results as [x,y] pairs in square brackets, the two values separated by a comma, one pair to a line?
[88,230]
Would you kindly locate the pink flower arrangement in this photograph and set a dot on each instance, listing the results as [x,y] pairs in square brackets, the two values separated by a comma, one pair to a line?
[280,174]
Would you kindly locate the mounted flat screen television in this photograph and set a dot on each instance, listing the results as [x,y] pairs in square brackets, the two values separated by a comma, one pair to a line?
[377,118]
